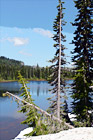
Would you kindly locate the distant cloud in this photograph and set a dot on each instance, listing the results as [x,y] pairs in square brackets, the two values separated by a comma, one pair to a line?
[25,53]
[43,32]
[19,30]
[18,41]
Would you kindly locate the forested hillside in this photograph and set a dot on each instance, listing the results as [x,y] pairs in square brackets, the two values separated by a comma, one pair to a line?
[9,70]
[7,61]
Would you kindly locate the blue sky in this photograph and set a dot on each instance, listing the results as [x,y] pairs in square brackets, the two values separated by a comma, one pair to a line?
[26,29]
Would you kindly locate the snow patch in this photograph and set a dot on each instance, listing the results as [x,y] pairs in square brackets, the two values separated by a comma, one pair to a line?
[72,117]
[81,133]
[22,133]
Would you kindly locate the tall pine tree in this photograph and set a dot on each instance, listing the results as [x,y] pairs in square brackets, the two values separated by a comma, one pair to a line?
[57,76]
[83,59]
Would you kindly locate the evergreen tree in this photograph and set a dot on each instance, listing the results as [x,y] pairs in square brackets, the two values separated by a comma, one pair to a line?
[9,70]
[38,71]
[83,59]
[33,118]
[57,76]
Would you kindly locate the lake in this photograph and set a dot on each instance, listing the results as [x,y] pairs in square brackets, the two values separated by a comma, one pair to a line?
[10,118]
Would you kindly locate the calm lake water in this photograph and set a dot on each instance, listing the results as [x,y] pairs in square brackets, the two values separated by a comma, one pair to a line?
[9,117]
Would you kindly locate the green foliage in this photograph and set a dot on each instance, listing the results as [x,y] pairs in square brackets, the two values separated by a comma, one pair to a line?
[4,60]
[82,124]
[58,74]
[33,118]
[41,124]
[40,129]
[83,59]
[9,70]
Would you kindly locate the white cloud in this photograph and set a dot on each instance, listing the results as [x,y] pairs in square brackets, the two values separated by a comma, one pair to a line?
[43,32]
[18,41]
[25,53]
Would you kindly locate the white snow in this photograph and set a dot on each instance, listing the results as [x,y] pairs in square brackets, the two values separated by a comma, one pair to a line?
[91,87]
[72,117]
[23,132]
[81,133]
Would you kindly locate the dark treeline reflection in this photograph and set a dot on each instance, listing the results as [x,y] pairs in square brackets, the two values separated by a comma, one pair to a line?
[13,87]
[14,92]
[41,90]
[36,88]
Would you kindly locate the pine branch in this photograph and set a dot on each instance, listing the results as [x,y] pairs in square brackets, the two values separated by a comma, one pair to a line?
[41,110]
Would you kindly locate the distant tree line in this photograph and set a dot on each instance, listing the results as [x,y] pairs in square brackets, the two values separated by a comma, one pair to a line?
[9,70]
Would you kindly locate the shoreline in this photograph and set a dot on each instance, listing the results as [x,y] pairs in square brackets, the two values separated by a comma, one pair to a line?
[7,81]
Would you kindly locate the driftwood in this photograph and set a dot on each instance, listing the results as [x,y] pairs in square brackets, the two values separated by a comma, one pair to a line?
[41,110]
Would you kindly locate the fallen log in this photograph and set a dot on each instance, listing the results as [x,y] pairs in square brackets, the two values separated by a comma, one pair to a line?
[39,109]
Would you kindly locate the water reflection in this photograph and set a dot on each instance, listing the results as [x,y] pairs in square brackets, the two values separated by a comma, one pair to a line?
[10,86]
[38,89]
[39,92]
[10,127]
[13,87]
